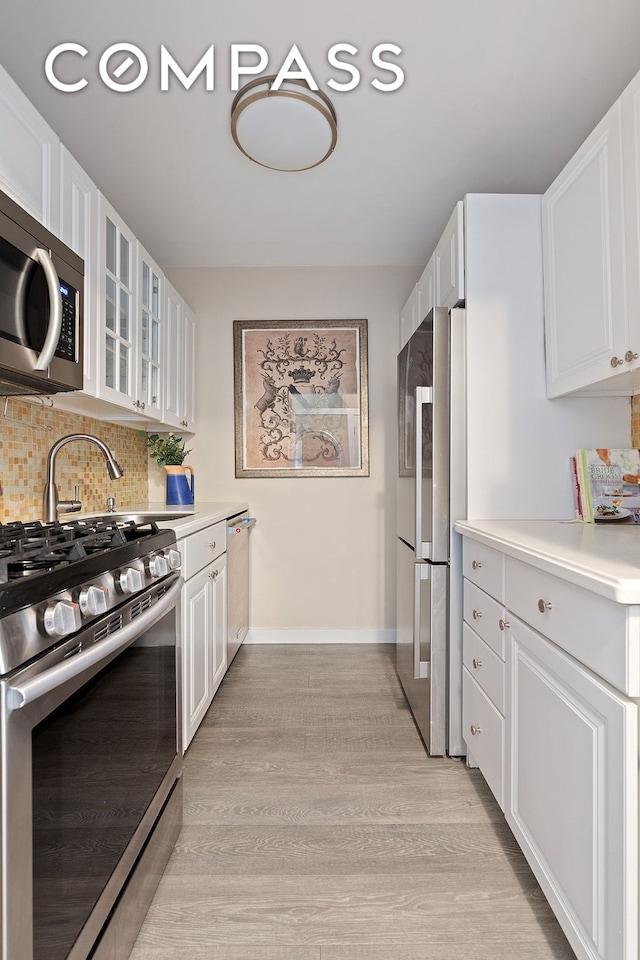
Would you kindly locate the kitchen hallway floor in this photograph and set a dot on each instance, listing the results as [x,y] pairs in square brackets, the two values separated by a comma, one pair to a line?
[317,828]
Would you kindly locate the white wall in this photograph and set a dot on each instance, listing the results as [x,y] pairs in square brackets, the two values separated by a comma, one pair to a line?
[323,551]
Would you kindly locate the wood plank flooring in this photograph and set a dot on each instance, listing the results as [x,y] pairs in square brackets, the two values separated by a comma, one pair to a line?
[317,828]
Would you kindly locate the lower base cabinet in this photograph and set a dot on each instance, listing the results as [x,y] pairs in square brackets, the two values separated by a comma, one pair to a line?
[572,749]
[565,771]
[203,623]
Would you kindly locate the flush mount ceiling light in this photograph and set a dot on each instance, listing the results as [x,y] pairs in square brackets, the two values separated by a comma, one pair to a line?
[291,128]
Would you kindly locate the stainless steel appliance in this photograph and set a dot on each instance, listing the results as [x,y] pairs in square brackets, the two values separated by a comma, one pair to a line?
[430,390]
[238,578]
[41,307]
[91,760]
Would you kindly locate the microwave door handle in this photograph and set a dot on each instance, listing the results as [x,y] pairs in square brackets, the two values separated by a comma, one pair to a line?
[424,395]
[55,313]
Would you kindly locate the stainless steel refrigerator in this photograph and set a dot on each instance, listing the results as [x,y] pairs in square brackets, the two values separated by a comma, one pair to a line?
[430,383]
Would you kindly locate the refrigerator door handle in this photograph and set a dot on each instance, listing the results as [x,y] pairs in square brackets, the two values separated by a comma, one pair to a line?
[424,395]
[421,668]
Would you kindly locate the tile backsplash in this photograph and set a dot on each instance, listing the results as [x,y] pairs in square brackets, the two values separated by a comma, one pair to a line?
[28,429]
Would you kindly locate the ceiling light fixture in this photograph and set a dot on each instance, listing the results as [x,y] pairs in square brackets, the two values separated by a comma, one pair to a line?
[286,129]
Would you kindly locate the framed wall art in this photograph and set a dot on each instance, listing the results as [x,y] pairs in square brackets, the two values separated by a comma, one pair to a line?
[301,398]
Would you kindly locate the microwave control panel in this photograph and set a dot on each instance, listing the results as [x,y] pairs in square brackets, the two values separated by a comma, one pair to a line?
[66,348]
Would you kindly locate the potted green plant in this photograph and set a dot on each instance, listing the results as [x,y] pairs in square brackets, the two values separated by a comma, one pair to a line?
[169,452]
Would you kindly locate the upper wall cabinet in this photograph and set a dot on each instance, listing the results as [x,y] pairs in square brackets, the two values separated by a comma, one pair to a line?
[179,393]
[449,264]
[592,260]
[441,283]
[30,156]
[79,230]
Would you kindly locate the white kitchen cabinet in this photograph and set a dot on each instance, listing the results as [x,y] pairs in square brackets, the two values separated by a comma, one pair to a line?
[150,317]
[203,620]
[449,262]
[566,758]
[483,658]
[179,393]
[426,291]
[584,263]
[79,230]
[591,240]
[30,156]
[408,316]
[572,801]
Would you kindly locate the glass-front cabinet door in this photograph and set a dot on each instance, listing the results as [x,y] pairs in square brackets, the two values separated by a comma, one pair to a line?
[151,310]
[117,380]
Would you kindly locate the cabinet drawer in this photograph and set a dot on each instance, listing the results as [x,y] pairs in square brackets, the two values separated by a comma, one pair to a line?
[202,547]
[484,666]
[486,745]
[483,566]
[598,632]
[484,614]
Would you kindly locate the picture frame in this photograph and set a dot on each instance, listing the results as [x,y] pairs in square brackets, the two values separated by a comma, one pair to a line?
[301,398]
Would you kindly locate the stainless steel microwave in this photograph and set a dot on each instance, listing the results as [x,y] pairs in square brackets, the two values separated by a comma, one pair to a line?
[41,307]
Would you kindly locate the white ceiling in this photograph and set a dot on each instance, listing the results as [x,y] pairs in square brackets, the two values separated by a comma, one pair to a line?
[498,95]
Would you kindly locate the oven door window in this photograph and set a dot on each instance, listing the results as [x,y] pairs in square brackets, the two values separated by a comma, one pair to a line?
[97,762]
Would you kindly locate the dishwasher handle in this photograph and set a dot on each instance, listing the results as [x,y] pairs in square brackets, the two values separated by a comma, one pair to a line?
[242,525]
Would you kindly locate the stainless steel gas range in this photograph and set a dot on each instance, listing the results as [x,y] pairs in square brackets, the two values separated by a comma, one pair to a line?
[91,762]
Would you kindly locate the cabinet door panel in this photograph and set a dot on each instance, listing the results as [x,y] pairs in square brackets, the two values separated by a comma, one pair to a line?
[30,156]
[408,316]
[449,262]
[631,164]
[573,793]
[584,269]
[196,619]
[219,637]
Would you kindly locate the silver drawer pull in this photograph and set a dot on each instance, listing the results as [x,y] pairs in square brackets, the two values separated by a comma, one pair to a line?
[476,663]
[213,545]
[616,362]
[477,614]
[475,564]
[504,624]
[474,730]
[213,574]
[543,605]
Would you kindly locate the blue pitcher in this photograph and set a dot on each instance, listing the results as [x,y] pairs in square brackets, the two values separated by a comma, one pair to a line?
[179,489]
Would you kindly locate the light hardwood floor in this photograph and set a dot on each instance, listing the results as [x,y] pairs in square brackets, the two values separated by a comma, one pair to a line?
[317,828]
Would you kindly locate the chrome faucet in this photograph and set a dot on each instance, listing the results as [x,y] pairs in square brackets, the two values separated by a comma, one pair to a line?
[52,505]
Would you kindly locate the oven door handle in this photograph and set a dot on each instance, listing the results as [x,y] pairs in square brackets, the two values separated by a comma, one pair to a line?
[100,653]
[55,309]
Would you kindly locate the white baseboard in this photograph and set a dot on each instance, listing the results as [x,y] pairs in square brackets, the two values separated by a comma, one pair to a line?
[300,635]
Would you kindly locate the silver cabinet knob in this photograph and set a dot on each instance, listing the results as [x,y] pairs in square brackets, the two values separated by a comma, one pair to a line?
[544,605]
[477,614]
[93,600]
[475,564]
[503,624]
[475,730]
[476,663]
[62,618]
[615,362]
[213,574]
[213,544]
[130,580]
[158,566]
[630,355]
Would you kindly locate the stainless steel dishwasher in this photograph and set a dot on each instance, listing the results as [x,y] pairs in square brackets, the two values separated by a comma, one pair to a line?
[238,528]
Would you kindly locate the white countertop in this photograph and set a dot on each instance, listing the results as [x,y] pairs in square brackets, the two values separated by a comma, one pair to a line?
[197,517]
[602,558]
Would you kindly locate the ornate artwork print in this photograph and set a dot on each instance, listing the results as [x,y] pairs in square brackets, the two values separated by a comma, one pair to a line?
[301,398]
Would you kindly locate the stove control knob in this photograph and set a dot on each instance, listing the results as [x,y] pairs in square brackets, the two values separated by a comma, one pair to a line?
[130,580]
[158,566]
[174,558]
[62,618]
[93,600]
